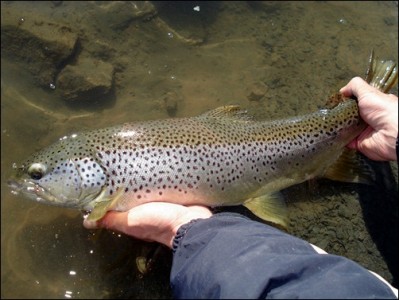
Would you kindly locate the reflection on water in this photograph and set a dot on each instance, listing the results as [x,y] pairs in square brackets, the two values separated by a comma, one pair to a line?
[275,59]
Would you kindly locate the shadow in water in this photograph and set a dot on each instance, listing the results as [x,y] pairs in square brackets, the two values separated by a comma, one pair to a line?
[96,101]
[181,14]
[119,268]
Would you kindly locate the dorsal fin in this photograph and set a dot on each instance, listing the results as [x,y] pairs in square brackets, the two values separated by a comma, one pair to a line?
[228,111]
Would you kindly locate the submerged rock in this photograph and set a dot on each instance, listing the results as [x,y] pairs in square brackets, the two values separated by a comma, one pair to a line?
[89,79]
[119,14]
[44,47]
[258,90]
[171,100]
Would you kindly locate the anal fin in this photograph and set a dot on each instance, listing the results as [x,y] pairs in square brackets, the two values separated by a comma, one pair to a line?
[350,167]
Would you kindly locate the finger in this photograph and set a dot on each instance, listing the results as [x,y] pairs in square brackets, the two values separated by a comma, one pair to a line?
[90,224]
[354,87]
[112,220]
[115,220]
[352,144]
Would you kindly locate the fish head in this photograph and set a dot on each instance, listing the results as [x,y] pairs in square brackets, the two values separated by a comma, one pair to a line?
[63,174]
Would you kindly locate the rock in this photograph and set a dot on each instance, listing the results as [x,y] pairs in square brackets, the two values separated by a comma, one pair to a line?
[344,212]
[323,243]
[89,79]
[391,20]
[171,100]
[118,15]
[43,47]
[257,91]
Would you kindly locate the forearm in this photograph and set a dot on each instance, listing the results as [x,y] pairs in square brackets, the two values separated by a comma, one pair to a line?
[230,256]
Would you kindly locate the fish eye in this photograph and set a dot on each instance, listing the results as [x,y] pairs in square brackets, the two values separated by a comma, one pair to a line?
[36,171]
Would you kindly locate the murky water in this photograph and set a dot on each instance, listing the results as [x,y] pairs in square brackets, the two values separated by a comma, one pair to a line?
[292,54]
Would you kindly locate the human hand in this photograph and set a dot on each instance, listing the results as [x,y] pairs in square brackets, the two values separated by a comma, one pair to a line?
[153,221]
[380,112]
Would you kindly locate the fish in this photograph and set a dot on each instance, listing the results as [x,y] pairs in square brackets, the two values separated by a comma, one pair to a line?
[222,157]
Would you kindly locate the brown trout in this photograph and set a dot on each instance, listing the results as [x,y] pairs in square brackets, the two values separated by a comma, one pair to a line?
[221,157]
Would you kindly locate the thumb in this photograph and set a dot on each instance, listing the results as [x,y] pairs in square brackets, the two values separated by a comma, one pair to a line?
[352,144]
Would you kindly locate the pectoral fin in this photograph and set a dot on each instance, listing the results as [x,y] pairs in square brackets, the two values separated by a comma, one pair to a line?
[99,211]
[102,206]
[269,207]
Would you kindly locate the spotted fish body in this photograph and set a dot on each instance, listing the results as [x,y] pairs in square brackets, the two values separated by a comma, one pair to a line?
[219,158]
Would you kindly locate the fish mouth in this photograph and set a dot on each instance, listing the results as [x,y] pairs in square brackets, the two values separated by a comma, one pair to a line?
[32,190]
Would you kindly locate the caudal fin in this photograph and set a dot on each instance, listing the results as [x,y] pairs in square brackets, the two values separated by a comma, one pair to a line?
[382,74]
